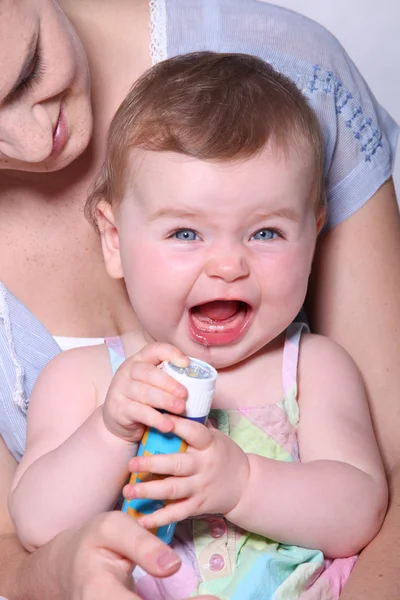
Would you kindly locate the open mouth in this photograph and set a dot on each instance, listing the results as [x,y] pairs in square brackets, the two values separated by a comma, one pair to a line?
[219,322]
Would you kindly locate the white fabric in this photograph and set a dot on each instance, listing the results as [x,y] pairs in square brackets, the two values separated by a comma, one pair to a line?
[67,343]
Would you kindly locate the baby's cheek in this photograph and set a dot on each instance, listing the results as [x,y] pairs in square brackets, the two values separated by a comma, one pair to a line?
[294,285]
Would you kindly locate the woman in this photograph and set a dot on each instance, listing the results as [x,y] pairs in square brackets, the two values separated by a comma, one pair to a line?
[56,273]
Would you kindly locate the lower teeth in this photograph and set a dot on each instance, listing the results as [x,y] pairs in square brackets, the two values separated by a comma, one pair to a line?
[211,328]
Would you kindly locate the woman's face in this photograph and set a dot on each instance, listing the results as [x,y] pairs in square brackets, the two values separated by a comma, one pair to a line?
[45,108]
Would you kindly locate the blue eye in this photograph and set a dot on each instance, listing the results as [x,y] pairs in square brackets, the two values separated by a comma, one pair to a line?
[265,235]
[186,235]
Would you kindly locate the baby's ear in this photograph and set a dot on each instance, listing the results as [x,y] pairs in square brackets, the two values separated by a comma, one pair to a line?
[109,239]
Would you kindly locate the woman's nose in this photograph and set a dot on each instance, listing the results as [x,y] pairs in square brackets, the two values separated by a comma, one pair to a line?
[229,266]
[26,134]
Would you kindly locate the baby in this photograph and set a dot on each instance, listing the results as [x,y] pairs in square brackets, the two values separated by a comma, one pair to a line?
[208,205]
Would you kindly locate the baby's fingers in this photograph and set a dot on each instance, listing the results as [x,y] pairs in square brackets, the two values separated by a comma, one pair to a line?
[135,413]
[157,353]
[196,435]
[172,513]
[169,488]
[152,386]
[179,464]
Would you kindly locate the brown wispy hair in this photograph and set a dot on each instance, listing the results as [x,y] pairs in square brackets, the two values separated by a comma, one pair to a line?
[210,106]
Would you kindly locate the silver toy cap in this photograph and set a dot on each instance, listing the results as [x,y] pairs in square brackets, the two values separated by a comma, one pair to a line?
[199,379]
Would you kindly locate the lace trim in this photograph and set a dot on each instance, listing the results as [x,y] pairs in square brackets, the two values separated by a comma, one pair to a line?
[158,31]
[19,396]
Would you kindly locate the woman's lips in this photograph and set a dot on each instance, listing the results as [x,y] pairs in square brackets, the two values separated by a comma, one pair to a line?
[59,134]
[211,331]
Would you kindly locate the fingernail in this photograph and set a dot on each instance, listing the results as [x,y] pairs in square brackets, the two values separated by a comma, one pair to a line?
[167,424]
[133,464]
[168,559]
[180,361]
[130,493]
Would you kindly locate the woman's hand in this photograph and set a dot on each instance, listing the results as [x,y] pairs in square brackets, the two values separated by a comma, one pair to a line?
[96,562]
[139,387]
[91,563]
[208,478]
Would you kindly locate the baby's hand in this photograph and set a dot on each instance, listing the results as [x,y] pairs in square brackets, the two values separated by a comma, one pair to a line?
[208,478]
[139,387]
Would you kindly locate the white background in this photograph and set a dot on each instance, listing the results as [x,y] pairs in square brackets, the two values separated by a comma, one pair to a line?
[369,30]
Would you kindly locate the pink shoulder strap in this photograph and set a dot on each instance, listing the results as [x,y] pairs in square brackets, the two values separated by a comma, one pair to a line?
[290,359]
[116,352]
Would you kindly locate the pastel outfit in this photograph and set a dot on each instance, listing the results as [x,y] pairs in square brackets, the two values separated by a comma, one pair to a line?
[222,559]
[360,140]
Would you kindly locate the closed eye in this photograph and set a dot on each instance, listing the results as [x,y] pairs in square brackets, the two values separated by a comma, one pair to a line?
[186,235]
[34,75]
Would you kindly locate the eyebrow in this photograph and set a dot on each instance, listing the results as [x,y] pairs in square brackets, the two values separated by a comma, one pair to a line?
[284,213]
[25,68]
[173,212]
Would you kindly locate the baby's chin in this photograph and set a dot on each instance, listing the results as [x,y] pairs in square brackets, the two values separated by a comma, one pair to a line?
[220,357]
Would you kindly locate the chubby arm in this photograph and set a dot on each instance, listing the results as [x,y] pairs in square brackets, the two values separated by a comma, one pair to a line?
[355,299]
[73,466]
[339,486]
[78,449]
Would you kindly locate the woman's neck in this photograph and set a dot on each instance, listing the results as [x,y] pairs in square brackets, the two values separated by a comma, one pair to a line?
[56,269]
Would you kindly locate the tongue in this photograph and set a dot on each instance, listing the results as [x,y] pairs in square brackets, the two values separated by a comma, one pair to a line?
[219,310]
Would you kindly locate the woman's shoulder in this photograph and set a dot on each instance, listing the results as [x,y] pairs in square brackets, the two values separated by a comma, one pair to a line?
[26,346]
[276,34]
[360,137]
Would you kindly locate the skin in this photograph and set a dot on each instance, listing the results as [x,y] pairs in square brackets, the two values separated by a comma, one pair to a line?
[228,258]
[97,558]
[358,246]
[69,305]
[78,299]
[220,250]
[382,581]
[61,242]
[31,102]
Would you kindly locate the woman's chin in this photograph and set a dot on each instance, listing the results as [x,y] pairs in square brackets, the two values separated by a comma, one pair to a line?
[54,162]
[61,155]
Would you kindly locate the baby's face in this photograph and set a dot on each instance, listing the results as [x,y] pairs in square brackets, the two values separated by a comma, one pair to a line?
[217,254]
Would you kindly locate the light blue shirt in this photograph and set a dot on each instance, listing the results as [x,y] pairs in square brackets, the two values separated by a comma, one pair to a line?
[360,141]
